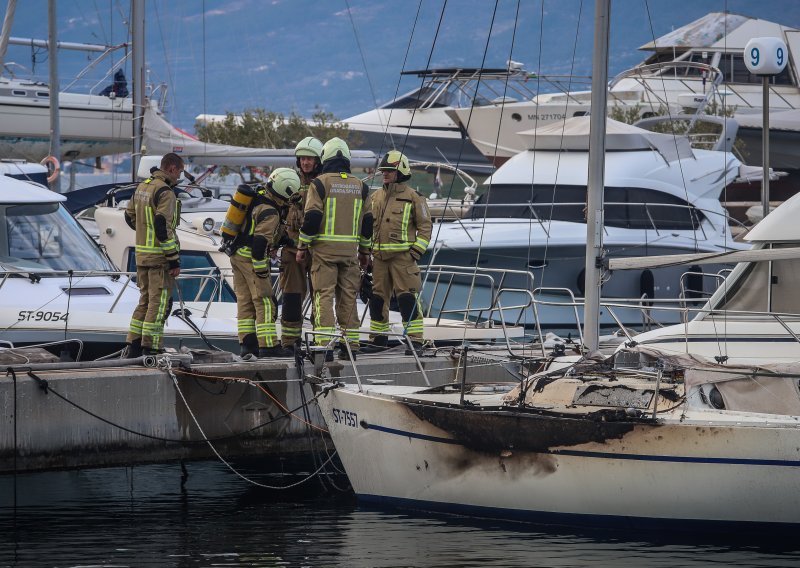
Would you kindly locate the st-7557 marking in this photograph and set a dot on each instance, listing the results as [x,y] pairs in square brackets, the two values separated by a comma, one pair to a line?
[345,417]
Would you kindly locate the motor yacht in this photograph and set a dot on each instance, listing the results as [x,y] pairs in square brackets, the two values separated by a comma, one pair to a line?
[661,197]
[700,63]
[417,122]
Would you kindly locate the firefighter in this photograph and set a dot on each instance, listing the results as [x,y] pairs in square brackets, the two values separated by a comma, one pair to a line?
[295,275]
[401,237]
[256,308]
[337,230]
[153,212]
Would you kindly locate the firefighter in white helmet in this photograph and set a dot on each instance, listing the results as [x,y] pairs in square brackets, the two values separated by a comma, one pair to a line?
[256,309]
[295,275]
[337,230]
[402,231]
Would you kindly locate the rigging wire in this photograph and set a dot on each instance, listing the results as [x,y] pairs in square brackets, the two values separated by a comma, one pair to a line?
[672,129]
[561,144]
[364,63]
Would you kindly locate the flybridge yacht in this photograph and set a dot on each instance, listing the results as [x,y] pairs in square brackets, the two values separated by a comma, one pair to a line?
[417,123]
[699,63]
[661,197]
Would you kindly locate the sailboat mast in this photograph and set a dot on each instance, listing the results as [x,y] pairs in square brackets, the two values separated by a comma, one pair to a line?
[5,34]
[52,55]
[596,175]
[137,39]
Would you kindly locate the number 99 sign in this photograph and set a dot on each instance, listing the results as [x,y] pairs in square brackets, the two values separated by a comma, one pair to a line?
[765,56]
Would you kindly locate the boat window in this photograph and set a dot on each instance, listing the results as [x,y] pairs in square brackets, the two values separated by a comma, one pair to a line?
[694,57]
[44,236]
[734,70]
[747,292]
[35,177]
[18,93]
[785,276]
[43,94]
[626,207]
[190,287]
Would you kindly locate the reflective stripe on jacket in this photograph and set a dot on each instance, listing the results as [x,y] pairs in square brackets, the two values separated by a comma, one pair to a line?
[402,220]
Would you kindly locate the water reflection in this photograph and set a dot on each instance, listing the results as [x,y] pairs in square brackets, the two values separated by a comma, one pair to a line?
[144,517]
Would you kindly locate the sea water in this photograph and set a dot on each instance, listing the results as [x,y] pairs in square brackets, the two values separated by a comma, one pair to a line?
[205,515]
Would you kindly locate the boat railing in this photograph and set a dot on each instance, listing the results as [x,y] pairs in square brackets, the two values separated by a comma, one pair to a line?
[643,74]
[691,292]
[440,280]
[782,318]
[205,277]
[315,349]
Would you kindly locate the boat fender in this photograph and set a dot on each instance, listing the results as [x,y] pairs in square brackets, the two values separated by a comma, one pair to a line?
[237,212]
[53,168]
[647,285]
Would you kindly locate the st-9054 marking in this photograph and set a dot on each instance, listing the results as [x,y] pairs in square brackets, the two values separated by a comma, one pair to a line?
[38,315]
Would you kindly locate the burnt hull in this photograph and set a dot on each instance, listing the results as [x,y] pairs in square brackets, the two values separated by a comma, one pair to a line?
[598,468]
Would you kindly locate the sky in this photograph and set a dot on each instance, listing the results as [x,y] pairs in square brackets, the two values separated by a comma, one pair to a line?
[345,56]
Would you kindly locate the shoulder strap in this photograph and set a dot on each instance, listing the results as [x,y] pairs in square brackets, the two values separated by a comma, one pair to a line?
[320,187]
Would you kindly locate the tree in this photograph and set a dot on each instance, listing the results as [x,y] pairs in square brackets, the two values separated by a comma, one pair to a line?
[259,128]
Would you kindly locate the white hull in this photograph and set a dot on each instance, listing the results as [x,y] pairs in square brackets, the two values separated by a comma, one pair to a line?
[91,125]
[494,128]
[426,135]
[700,468]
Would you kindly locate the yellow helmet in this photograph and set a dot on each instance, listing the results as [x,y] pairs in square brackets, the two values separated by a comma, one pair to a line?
[284,182]
[335,147]
[395,160]
[308,146]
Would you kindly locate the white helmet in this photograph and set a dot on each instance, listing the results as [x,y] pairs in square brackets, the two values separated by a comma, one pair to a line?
[284,182]
[335,147]
[308,146]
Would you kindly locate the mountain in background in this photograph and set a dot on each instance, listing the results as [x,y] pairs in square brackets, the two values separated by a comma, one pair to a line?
[345,56]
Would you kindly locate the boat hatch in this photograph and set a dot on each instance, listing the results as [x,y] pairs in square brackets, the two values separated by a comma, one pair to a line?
[86,290]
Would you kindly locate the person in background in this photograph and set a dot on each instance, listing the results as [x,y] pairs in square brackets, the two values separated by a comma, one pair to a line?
[337,230]
[402,232]
[153,212]
[295,275]
[256,308]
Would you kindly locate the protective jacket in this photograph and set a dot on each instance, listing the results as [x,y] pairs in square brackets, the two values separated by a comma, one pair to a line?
[402,221]
[260,232]
[153,212]
[337,219]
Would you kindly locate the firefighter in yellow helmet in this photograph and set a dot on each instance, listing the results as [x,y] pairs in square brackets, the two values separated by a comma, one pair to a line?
[337,230]
[256,309]
[153,212]
[401,236]
[295,275]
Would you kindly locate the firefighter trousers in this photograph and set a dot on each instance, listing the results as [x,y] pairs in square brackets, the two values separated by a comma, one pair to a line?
[397,274]
[155,299]
[335,279]
[255,305]
[294,285]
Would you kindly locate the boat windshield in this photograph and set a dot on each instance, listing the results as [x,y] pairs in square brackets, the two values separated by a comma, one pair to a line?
[44,236]
[420,98]
[626,207]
